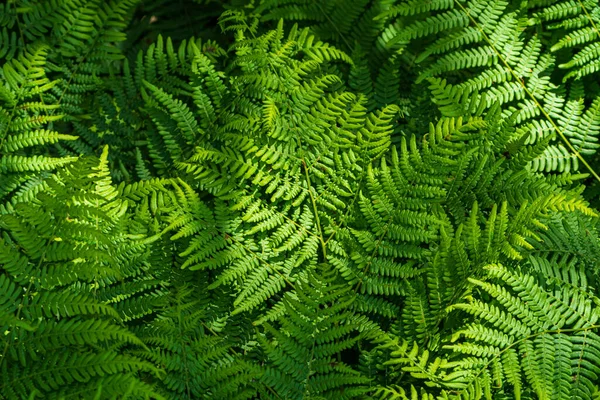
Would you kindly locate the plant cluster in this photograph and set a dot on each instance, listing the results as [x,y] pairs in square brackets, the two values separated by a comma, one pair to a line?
[299,199]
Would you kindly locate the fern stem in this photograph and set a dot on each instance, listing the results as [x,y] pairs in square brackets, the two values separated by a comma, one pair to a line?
[589,17]
[316,211]
[328,18]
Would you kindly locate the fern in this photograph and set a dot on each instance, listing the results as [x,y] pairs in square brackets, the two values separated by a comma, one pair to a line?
[549,357]
[576,25]
[198,362]
[304,344]
[292,199]
[57,332]
[487,49]
[516,346]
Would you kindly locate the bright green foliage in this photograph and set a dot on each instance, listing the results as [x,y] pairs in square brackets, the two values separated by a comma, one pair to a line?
[314,323]
[59,253]
[297,199]
[576,23]
[199,364]
[508,61]
[529,341]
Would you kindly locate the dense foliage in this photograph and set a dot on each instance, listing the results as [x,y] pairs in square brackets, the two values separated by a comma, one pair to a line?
[299,199]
